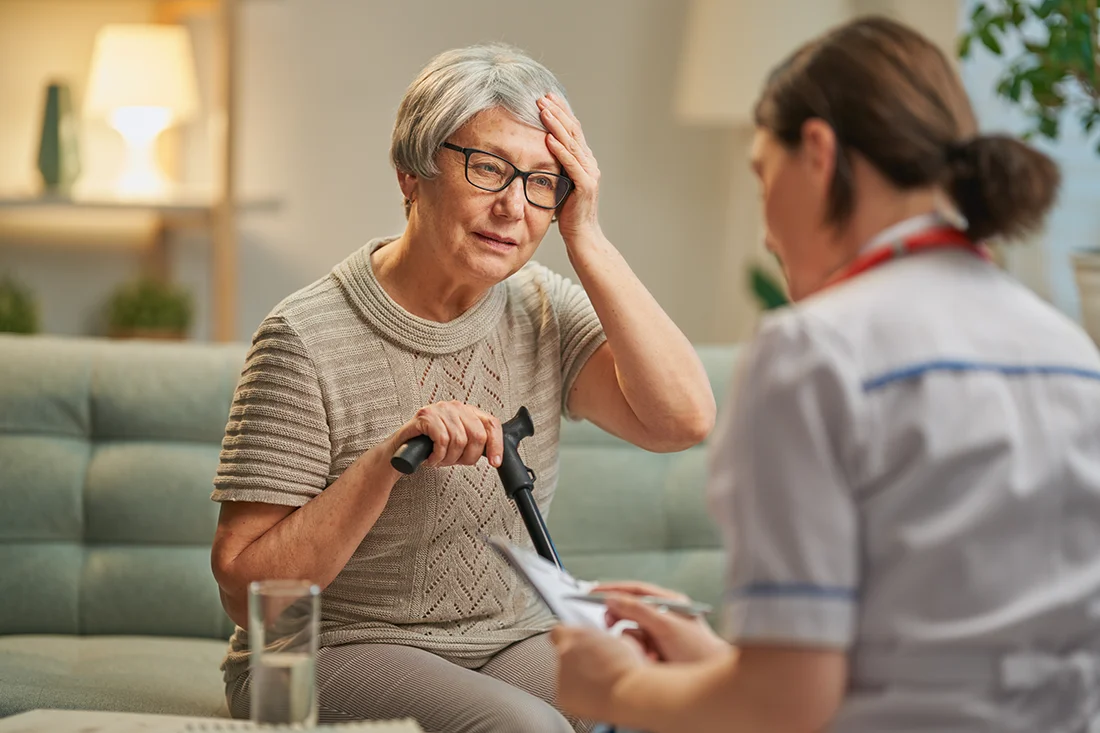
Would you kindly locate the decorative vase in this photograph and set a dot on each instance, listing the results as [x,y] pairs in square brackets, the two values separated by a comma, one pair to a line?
[58,152]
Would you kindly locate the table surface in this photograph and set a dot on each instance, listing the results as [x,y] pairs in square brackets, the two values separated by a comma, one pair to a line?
[98,721]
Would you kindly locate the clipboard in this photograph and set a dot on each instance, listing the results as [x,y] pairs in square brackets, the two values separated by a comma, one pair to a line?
[552,585]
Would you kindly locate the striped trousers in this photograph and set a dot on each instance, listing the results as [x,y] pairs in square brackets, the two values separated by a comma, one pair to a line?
[513,692]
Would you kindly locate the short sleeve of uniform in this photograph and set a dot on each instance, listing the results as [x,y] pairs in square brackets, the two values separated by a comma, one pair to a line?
[780,486]
[276,444]
[580,329]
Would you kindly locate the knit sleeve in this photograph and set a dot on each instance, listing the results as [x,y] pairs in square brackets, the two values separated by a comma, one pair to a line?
[276,448]
[580,329]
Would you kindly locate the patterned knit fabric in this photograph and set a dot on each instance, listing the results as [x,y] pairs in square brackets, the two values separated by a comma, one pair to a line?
[337,368]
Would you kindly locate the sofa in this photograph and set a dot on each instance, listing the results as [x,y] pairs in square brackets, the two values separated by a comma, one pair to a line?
[107,452]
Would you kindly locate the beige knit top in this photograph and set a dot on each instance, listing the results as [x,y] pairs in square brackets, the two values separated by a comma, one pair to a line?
[334,370]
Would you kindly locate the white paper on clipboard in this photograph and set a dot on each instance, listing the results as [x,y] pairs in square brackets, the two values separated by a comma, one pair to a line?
[553,585]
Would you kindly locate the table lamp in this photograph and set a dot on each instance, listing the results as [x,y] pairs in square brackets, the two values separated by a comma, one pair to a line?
[142,81]
[730,46]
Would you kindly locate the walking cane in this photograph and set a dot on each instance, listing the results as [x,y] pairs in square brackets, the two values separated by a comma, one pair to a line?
[518,479]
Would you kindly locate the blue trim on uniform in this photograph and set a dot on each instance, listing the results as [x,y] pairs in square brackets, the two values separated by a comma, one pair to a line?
[948,365]
[774,590]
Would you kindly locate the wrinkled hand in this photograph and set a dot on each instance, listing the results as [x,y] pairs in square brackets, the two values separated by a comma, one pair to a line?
[666,637]
[461,434]
[590,666]
[579,216]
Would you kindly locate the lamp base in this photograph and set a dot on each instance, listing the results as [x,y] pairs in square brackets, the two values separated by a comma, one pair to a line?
[141,177]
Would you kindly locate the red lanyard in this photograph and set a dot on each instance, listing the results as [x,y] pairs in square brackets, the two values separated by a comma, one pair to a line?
[929,239]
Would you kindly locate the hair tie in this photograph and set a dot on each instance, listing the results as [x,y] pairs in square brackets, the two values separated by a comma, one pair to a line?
[957,151]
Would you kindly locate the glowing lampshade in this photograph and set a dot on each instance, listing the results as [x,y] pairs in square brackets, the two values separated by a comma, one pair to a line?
[143,82]
[730,47]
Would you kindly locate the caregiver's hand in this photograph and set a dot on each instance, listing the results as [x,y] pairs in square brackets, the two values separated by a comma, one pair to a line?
[665,636]
[591,665]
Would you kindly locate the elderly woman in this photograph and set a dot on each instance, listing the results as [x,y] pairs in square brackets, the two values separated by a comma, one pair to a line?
[443,331]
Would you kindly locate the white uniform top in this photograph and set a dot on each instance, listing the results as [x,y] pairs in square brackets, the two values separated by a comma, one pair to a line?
[911,473]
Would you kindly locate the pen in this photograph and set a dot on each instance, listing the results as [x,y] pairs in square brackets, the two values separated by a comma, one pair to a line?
[690,608]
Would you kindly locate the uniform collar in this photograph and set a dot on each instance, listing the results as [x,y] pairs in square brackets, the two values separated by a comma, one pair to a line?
[904,229]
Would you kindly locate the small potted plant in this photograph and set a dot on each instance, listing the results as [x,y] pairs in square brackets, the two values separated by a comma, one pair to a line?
[766,289]
[18,309]
[149,309]
[1054,78]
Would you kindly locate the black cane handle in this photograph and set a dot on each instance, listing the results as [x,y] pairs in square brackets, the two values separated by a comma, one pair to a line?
[410,455]
[513,474]
[518,480]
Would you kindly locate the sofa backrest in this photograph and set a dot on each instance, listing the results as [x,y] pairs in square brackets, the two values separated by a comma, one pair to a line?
[107,451]
[107,454]
[623,513]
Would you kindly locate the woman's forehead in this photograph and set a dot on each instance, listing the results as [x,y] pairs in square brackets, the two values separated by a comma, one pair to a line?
[497,131]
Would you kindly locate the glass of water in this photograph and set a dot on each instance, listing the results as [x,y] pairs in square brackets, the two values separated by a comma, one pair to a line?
[283,621]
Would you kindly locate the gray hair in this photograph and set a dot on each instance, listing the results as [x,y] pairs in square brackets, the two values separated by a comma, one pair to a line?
[455,86]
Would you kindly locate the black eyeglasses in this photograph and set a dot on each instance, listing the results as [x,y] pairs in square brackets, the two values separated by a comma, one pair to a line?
[493,173]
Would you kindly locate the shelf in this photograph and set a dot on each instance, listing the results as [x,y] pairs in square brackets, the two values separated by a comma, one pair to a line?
[177,205]
[89,218]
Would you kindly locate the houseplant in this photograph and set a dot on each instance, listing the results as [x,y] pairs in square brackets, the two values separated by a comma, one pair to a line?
[766,289]
[149,308]
[1053,63]
[1052,74]
[18,310]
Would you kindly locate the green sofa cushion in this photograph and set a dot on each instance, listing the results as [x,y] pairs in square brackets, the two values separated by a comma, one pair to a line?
[42,494]
[131,673]
[151,493]
[172,392]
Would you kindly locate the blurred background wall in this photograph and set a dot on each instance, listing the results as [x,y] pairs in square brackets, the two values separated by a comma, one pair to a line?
[319,81]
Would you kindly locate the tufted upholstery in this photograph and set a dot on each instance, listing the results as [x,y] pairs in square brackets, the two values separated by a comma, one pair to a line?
[107,452]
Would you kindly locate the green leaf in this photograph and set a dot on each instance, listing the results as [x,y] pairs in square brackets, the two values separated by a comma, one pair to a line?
[964,45]
[1090,118]
[769,294]
[18,308]
[987,39]
[1046,8]
[1049,98]
[1019,13]
[1048,127]
[1046,87]
[1087,55]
